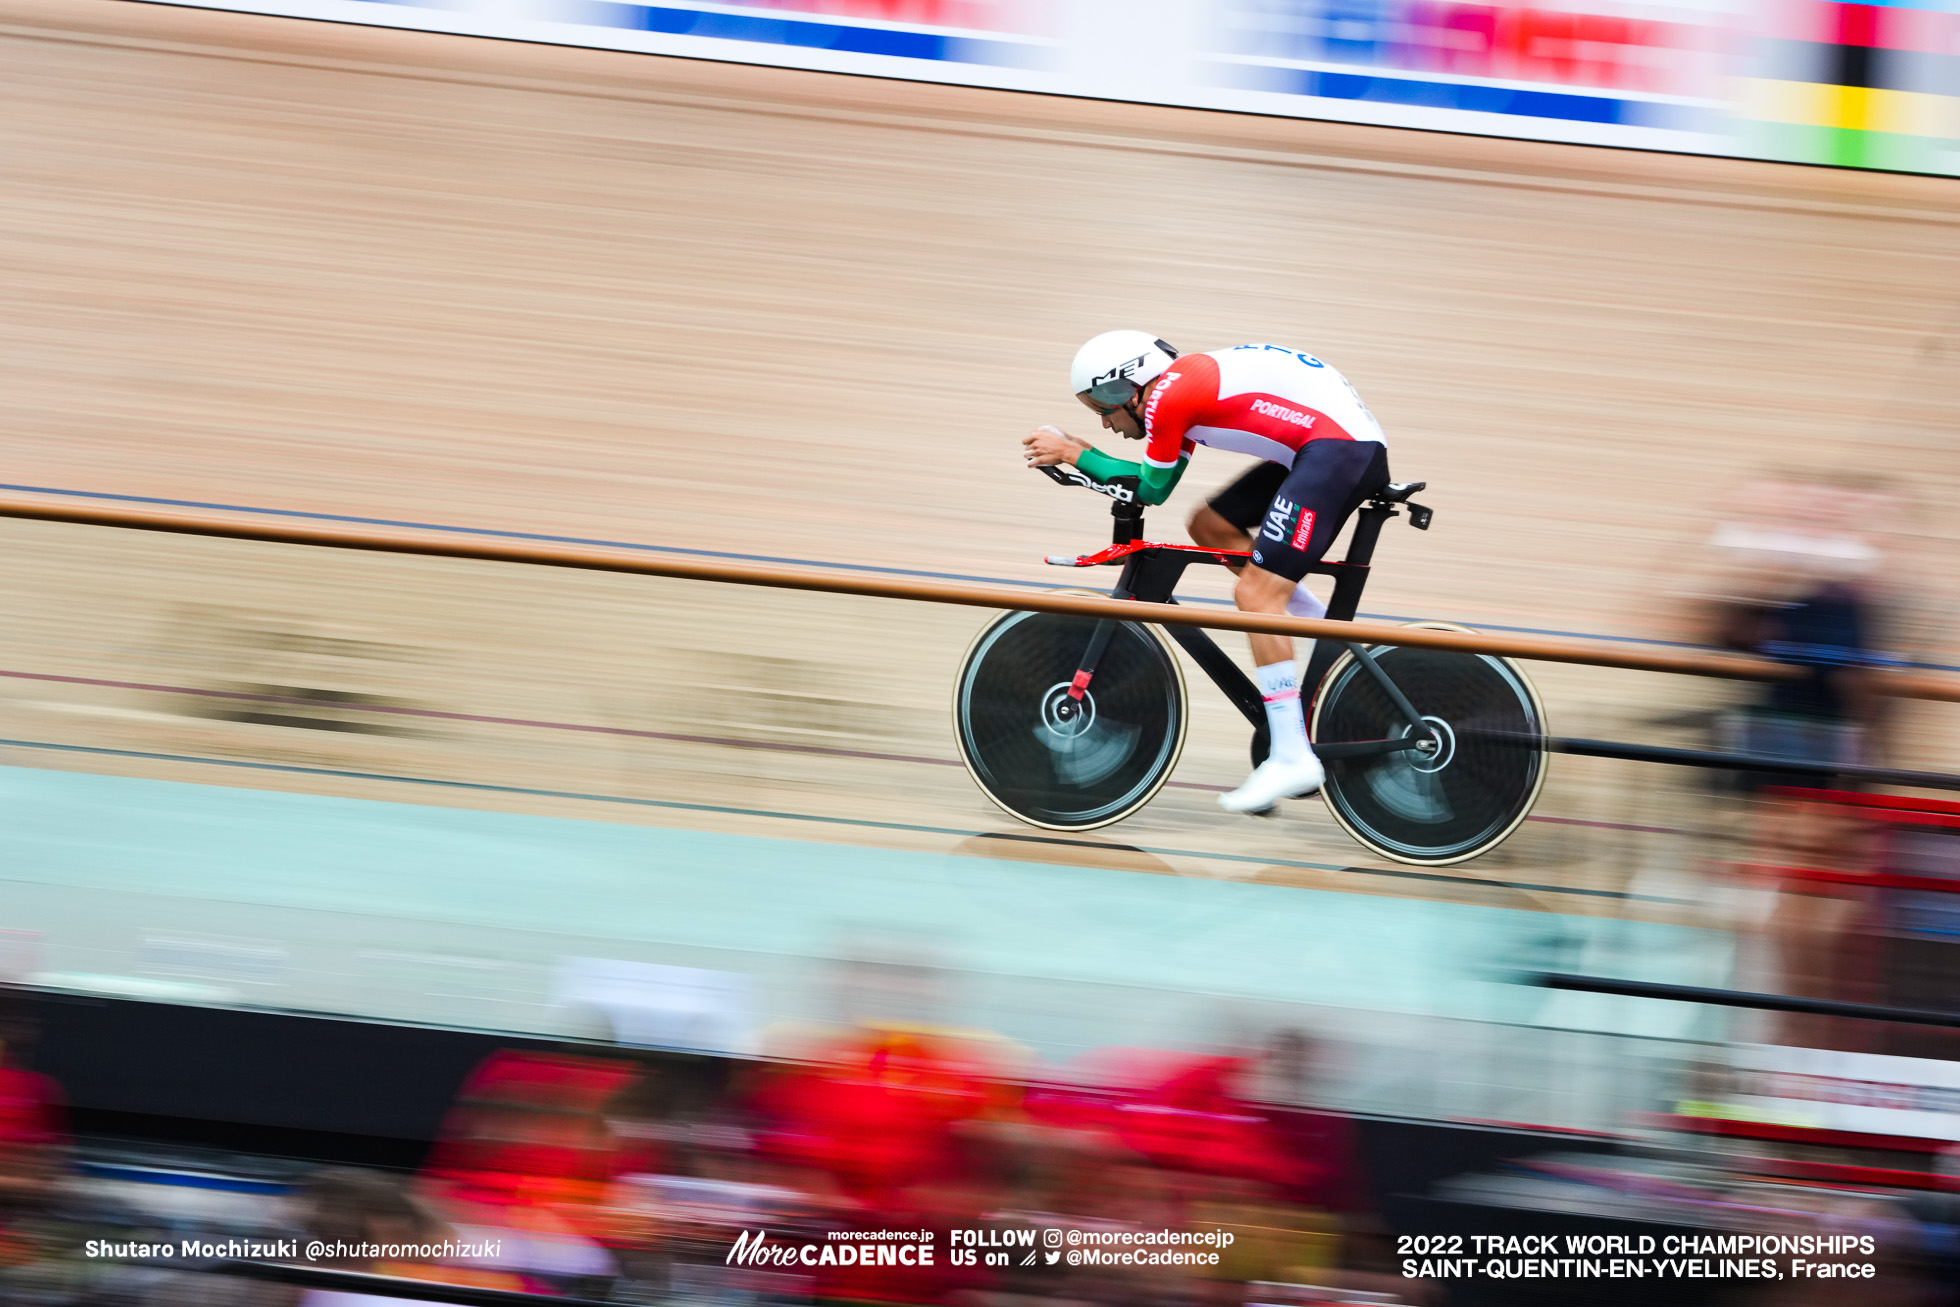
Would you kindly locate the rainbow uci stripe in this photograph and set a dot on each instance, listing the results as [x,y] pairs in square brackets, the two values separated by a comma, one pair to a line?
[1862,85]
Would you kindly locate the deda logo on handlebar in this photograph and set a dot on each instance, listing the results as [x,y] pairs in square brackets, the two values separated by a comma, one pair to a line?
[1122,489]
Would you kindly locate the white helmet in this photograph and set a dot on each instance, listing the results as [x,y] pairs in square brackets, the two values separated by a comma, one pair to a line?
[1110,370]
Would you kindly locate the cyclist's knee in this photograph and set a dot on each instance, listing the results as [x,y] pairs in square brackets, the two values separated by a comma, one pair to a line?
[1212,531]
[1260,591]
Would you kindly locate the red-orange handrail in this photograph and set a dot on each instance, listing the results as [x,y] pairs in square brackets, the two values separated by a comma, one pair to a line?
[1597,653]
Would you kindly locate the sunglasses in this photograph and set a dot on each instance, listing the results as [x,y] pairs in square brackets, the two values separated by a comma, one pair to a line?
[1108,396]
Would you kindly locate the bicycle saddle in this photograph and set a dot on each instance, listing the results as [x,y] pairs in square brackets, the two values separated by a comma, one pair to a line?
[1398,492]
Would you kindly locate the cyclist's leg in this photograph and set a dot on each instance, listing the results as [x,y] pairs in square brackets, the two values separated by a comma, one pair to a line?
[1328,481]
[1228,518]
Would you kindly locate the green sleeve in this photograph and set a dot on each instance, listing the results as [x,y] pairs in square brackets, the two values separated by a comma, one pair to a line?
[1158,482]
[1104,468]
[1154,484]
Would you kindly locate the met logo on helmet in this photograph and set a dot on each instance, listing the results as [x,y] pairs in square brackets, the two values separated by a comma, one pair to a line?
[1121,372]
[1118,364]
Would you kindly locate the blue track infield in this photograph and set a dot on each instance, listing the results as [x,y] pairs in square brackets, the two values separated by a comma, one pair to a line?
[241,861]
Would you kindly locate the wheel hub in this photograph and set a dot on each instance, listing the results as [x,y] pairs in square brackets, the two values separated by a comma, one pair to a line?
[1435,753]
[1065,716]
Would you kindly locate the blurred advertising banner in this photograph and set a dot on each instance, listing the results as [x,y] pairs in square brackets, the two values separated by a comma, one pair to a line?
[1803,81]
[649,1005]
[1830,1092]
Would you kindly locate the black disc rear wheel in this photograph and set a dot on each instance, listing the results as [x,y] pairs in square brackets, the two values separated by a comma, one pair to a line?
[1049,758]
[1453,801]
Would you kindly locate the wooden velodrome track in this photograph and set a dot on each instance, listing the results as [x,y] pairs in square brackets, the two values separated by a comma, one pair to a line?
[323,269]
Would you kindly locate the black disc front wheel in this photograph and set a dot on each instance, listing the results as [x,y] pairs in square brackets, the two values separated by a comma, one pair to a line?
[1462,794]
[1050,758]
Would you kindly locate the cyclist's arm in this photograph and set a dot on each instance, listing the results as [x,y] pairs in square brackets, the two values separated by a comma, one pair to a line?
[1154,484]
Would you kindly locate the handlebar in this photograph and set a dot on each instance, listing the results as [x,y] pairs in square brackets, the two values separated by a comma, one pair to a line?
[1122,489]
[1125,507]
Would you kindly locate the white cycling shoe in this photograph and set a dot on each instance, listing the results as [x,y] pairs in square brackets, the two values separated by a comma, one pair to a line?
[1272,781]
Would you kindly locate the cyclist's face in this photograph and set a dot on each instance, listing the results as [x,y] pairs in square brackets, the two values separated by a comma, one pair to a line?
[1122,420]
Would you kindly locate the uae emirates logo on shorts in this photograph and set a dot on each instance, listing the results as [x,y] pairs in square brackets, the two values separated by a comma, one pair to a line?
[1304,531]
[1288,521]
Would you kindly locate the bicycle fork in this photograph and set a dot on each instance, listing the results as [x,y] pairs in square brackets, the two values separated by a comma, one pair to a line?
[1157,578]
[1154,580]
[1092,656]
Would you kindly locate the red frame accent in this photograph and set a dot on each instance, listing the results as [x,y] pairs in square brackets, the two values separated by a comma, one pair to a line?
[1117,553]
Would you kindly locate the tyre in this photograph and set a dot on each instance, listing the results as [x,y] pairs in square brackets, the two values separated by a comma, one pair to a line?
[1057,762]
[1450,805]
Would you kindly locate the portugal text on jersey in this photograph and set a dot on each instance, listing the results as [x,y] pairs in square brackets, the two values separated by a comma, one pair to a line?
[1262,400]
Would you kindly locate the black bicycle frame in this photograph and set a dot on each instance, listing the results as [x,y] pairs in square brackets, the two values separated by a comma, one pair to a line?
[1152,573]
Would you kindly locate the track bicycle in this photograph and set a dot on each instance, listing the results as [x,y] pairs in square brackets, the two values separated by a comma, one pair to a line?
[1072,723]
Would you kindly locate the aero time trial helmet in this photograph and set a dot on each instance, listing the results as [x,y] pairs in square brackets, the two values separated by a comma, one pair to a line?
[1110,370]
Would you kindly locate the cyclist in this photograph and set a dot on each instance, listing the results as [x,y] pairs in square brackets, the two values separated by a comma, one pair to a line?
[1324,453]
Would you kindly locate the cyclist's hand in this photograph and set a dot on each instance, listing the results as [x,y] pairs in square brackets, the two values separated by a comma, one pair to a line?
[1045,446]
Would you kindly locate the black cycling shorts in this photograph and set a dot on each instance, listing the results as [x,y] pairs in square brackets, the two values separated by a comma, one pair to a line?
[1244,502]
[1329,479]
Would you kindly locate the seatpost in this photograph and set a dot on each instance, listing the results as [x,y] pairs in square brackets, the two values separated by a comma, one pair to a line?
[1352,573]
[1367,531]
[1349,579]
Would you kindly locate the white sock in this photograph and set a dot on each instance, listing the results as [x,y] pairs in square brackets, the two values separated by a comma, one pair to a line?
[1304,603]
[1279,684]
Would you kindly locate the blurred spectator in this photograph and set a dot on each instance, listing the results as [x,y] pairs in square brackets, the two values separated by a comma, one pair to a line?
[527,1135]
[1820,937]
[1921,967]
[346,1209]
[369,1222]
[891,1105]
[1216,1142]
[33,1139]
[1799,586]
[525,1159]
[33,1161]
[881,1108]
[1798,568]
[893,1118]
